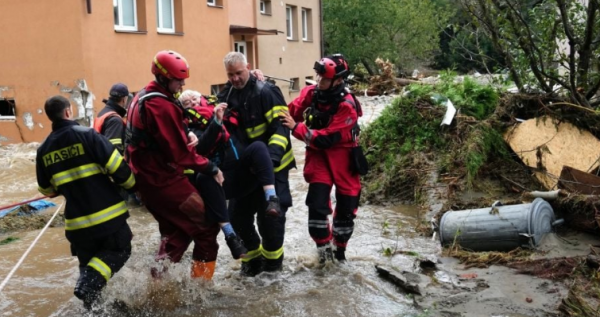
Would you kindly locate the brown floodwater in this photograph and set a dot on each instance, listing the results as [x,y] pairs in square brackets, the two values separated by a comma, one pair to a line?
[43,285]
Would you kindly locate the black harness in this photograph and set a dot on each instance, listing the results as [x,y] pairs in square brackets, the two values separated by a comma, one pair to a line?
[316,119]
[137,136]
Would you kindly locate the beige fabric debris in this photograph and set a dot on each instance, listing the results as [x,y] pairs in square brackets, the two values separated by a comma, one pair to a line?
[541,140]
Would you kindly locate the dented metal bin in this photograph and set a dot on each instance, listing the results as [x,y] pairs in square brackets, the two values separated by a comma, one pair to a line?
[498,228]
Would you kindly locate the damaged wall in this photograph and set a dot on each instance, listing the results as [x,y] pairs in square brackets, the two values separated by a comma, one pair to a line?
[37,50]
[80,56]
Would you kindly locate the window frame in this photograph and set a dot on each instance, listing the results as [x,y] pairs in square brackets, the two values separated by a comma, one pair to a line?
[295,84]
[120,26]
[12,104]
[304,24]
[289,21]
[262,7]
[238,44]
[212,3]
[159,15]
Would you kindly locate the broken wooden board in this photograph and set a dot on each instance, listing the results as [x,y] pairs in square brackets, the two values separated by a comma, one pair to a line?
[547,146]
[576,181]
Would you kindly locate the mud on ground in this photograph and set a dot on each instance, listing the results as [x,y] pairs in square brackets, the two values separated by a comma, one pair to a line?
[553,280]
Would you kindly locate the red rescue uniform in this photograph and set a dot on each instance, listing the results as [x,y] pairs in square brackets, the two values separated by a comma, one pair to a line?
[328,163]
[158,154]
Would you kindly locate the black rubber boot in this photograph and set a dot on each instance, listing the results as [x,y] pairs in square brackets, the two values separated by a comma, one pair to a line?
[325,253]
[340,254]
[89,286]
[253,267]
[237,248]
[273,207]
[273,265]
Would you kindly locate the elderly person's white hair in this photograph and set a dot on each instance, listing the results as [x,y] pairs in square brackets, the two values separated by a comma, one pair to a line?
[233,58]
[186,94]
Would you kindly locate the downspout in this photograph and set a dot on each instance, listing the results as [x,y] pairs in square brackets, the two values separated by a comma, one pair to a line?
[89,6]
[320,27]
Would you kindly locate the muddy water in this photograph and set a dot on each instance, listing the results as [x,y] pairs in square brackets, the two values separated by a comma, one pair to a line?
[43,284]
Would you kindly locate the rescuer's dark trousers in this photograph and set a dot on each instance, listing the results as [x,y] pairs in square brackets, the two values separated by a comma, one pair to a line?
[100,258]
[266,244]
[254,168]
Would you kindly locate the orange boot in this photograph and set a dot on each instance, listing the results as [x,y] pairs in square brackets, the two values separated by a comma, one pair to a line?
[203,269]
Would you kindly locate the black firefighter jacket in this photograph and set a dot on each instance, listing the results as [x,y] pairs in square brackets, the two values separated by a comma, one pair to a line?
[252,115]
[78,163]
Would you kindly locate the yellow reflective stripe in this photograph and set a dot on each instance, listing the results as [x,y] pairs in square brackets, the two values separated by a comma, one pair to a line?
[97,217]
[130,182]
[256,131]
[274,112]
[273,255]
[101,267]
[47,191]
[76,173]
[285,161]
[114,162]
[250,255]
[279,140]
[188,171]
[116,141]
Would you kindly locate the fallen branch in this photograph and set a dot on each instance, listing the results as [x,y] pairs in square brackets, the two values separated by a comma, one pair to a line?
[549,195]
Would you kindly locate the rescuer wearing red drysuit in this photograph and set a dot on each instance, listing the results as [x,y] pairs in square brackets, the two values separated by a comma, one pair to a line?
[158,151]
[324,116]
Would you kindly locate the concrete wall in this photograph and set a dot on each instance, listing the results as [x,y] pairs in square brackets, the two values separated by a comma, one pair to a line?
[52,47]
[243,13]
[42,55]
[283,58]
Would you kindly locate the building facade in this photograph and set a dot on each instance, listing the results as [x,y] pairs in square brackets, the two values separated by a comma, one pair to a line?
[290,54]
[80,48]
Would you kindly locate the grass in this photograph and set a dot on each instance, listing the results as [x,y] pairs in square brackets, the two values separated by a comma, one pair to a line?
[8,240]
[411,125]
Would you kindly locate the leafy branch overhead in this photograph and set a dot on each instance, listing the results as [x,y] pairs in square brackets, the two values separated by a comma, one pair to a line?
[405,32]
[549,45]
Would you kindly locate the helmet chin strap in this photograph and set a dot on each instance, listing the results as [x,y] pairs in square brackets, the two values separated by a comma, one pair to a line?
[164,82]
[332,94]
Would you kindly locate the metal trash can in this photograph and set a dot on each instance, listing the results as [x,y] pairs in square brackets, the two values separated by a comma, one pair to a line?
[498,228]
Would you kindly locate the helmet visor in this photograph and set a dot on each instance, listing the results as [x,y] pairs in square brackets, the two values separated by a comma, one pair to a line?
[319,68]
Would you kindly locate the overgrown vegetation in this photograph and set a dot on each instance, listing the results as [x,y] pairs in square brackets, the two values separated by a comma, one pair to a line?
[401,143]
[405,32]
[545,44]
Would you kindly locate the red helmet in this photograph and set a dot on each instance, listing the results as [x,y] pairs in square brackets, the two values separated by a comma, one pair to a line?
[171,65]
[332,67]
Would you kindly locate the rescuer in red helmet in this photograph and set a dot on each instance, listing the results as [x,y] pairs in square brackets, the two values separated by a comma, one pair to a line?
[159,149]
[325,116]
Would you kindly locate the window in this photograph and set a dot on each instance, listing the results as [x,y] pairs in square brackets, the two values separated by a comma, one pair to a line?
[309,80]
[165,16]
[289,23]
[295,84]
[215,3]
[306,24]
[7,109]
[265,7]
[240,47]
[125,13]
